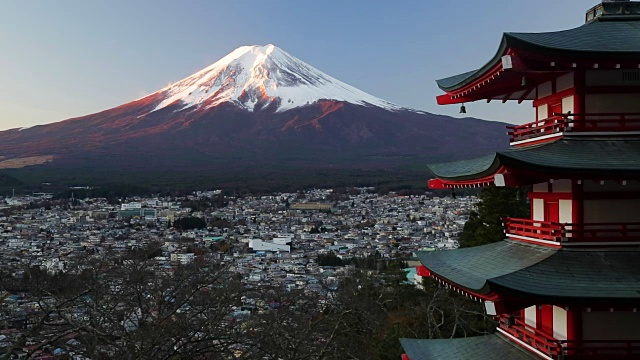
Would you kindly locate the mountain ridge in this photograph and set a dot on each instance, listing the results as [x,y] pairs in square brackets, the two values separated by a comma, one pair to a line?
[266,109]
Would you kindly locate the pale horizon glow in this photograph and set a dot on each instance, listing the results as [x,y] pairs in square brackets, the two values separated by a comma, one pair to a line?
[73,58]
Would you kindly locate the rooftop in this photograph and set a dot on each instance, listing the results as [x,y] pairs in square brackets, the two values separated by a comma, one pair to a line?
[568,156]
[562,276]
[611,34]
[493,346]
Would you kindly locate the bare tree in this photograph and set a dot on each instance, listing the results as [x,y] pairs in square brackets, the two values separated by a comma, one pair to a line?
[134,311]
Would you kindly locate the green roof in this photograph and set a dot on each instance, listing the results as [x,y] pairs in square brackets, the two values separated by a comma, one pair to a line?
[456,79]
[471,267]
[558,275]
[603,38]
[493,346]
[599,37]
[466,169]
[580,274]
[567,156]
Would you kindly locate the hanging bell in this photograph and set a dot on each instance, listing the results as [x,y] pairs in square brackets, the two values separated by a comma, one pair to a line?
[463,109]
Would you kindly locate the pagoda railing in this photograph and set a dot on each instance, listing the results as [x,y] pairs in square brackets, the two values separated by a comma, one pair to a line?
[572,232]
[564,123]
[551,125]
[568,349]
[543,230]
[530,335]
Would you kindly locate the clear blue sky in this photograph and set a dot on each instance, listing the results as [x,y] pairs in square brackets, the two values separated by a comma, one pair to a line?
[68,58]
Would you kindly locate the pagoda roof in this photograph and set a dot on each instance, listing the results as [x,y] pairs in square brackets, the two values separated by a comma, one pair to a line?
[493,346]
[525,270]
[617,38]
[608,38]
[587,156]
[467,169]
[608,41]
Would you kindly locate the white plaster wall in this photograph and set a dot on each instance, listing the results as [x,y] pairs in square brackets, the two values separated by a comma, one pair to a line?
[604,211]
[564,82]
[566,211]
[543,112]
[561,186]
[559,323]
[567,104]
[545,89]
[538,209]
[530,316]
[542,187]
[603,325]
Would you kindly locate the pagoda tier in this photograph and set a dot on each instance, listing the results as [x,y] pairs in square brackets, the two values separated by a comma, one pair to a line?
[556,303]
[525,60]
[578,158]
[514,275]
[584,191]
[582,81]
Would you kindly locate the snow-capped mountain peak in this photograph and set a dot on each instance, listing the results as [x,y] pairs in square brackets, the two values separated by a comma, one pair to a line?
[254,77]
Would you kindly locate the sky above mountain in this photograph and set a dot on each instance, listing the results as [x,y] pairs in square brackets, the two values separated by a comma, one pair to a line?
[70,58]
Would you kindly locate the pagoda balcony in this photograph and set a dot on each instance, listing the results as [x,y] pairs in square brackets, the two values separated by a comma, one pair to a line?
[567,349]
[560,124]
[530,336]
[567,234]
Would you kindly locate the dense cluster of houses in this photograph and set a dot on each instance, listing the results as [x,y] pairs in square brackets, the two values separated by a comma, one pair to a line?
[268,240]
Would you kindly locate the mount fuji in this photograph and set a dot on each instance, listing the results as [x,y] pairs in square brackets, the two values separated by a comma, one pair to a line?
[257,77]
[256,108]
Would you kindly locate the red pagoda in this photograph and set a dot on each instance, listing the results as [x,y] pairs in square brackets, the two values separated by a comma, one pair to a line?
[564,284]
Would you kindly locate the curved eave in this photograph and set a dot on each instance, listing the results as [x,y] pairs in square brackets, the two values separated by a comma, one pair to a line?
[619,40]
[439,184]
[574,158]
[466,173]
[470,269]
[600,40]
[484,293]
[466,169]
[519,270]
[456,82]
[577,277]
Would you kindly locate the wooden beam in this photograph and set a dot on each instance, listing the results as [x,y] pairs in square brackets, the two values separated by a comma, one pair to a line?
[525,95]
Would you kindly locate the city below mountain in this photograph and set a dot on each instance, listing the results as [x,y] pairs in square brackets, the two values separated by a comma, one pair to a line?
[258,108]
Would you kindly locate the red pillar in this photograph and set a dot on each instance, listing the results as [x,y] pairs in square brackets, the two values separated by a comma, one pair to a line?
[574,327]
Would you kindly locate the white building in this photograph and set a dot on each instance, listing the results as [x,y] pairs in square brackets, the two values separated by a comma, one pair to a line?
[131,206]
[259,245]
[183,258]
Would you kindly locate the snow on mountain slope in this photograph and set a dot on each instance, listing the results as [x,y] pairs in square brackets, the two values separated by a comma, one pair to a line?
[254,77]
